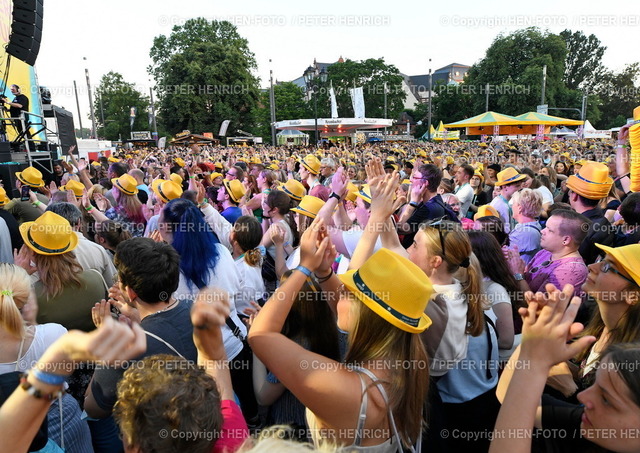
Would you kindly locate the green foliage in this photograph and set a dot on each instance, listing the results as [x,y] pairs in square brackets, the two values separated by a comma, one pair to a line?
[118,97]
[583,67]
[371,75]
[619,94]
[203,76]
[290,105]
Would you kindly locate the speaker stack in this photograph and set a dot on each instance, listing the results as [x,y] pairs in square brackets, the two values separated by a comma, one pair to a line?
[26,30]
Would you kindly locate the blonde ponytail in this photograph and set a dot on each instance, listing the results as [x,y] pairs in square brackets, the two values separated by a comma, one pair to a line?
[15,288]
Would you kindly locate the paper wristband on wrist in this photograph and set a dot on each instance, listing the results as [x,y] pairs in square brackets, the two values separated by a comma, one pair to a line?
[48,378]
[304,270]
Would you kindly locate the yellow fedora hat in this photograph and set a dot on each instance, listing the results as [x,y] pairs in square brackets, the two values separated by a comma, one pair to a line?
[352,190]
[75,186]
[479,175]
[486,211]
[294,189]
[31,177]
[126,184]
[309,206]
[628,257]
[179,161]
[215,175]
[509,176]
[167,190]
[592,181]
[49,234]
[3,197]
[311,163]
[394,288]
[176,178]
[235,189]
[364,193]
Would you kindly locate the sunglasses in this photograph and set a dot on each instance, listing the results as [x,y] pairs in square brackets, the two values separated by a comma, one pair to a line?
[439,224]
[606,266]
[533,270]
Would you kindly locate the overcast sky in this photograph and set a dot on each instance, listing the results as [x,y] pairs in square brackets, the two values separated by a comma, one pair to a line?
[116,35]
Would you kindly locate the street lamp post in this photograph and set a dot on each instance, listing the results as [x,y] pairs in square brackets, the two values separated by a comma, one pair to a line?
[311,81]
[93,116]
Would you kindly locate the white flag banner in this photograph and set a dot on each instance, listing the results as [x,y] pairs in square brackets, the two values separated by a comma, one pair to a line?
[357,99]
[334,104]
[162,143]
[223,128]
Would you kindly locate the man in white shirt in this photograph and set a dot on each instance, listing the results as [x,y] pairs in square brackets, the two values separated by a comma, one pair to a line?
[464,192]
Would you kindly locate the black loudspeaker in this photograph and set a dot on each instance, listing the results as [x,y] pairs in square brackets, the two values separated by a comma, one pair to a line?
[8,177]
[66,131]
[26,30]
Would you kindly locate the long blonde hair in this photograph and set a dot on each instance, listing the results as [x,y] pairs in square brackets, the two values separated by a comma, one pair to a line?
[57,272]
[15,288]
[458,255]
[372,339]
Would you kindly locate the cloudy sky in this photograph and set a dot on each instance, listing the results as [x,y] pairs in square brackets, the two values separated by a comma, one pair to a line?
[116,35]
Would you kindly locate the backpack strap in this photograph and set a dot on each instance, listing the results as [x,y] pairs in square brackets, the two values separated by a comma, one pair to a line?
[165,343]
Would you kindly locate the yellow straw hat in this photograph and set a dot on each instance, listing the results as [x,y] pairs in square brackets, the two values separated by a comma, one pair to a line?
[30,177]
[216,175]
[311,163]
[167,190]
[352,189]
[235,189]
[309,206]
[50,234]
[394,288]
[486,211]
[294,189]
[509,176]
[479,175]
[179,161]
[3,197]
[176,178]
[628,257]
[75,186]
[364,193]
[592,181]
[126,184]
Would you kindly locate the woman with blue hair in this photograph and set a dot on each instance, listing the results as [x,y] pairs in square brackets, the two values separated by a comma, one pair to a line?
[204,262]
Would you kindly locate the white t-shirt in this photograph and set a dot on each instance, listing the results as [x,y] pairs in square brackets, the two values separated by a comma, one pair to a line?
[497,294]
[465,195]
[224,276]
[547,196]
[251,285]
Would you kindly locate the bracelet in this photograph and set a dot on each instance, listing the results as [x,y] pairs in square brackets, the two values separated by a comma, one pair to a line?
[304,270]
[324,279]
[413,204]
[89,209]
[47,378]
[266,217]
[335,195]
[36,203]
[37,393]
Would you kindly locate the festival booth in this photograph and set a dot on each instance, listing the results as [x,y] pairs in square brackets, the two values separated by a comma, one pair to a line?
[186,138]
[590,132]
[292,137]
[335,127]
[441,134]
[493,123]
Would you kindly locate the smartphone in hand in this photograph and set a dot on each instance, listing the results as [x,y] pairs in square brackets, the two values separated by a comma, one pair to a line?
[24,193]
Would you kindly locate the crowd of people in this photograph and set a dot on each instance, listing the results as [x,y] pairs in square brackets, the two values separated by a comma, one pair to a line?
[457,296]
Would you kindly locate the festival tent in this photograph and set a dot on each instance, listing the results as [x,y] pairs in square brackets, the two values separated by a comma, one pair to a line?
[591,132]
[493,123]
[548,120]
[441,134]
[563,131]
[292,137]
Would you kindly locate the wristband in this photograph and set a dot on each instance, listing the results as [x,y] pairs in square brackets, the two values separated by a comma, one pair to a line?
[325,278]
[192,177]
[335,195]
[47,378]
[266,217]
[36,203]
[413,204]
[89,209]
[304,270]
[37,393]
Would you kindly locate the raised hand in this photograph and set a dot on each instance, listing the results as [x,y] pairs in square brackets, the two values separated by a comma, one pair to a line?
[23,259]
[313,245]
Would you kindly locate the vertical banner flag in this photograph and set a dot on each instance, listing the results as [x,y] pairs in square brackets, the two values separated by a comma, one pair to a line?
[496,131]
[162,142]
[150,112]
[132,116]
[223,128]
[540,131]
[334,104]
[357,99]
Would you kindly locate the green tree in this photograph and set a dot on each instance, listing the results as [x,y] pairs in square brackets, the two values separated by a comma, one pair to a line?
[512,67]
[583,64]
[117,97]
[290,105]
[619,94]
[450,103]
[371,75]
[203,72]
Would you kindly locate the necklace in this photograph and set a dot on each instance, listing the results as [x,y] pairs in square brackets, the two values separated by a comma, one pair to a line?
[166,308]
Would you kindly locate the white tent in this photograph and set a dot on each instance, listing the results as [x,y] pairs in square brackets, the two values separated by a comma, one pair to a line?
[591,132]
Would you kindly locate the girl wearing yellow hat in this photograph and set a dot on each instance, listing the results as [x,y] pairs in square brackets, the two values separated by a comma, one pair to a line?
[370,400]
[128,209]
[65,292]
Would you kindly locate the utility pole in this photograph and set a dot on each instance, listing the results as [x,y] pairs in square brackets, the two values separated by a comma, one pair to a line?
[272,105]
[153,115]
[429,116]
[75,89]
[544,83]
[486,106]
[93,115]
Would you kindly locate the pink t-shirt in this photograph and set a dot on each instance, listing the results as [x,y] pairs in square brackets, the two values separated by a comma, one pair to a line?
[542,270]
[234,428]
